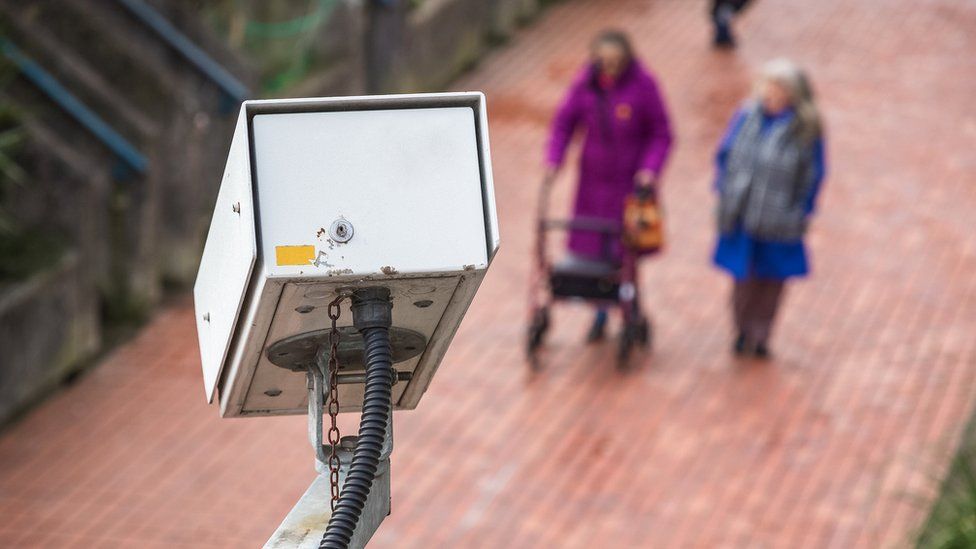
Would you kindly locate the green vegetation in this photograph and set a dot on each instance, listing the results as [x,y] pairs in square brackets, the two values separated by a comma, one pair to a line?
[280,36]
[25,252]
[11,174]
[22,251]
[952,522]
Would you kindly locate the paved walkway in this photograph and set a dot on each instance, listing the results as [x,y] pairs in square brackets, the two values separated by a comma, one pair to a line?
[837,443]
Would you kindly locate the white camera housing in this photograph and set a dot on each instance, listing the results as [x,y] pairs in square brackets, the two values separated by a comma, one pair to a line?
[321,196]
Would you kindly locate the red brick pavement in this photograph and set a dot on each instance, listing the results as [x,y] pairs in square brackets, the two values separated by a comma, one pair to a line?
[838,442]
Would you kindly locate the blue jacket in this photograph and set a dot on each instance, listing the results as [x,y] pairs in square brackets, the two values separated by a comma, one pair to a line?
[744,256]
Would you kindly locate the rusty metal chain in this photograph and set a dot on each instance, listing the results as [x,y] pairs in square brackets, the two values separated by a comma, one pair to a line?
[333,403]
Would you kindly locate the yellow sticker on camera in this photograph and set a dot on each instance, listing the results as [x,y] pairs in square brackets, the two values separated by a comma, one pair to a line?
[294,255]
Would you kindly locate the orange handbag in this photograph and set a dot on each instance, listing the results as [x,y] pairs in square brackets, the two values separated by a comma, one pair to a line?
[643,223]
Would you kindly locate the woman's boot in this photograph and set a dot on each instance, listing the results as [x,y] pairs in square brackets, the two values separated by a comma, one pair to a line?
[599,328]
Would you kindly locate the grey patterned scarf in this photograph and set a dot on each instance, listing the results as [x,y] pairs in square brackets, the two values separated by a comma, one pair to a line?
[766,182]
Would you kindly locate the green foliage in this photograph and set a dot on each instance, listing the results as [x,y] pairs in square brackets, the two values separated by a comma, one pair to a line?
[279,36]
[952,523]
[23,253]
[11,174]
[122,312]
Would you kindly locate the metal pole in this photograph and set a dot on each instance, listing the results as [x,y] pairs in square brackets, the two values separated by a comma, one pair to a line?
[305,524]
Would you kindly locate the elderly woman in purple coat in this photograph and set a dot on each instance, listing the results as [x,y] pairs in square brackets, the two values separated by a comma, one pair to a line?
[770,165]
[616,102]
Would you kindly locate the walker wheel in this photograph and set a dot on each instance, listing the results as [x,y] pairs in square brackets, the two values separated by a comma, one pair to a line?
[535,335]
[624,347]
[636,333]
[644,333]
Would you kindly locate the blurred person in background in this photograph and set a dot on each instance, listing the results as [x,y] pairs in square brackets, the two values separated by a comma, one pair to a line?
[770,165]
[723,11]
[616,102]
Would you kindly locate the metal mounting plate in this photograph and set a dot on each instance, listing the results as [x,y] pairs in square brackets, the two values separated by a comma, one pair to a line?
[297,352]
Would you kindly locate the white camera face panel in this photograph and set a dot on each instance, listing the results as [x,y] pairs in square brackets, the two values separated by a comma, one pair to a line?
[406,181]
[327,195]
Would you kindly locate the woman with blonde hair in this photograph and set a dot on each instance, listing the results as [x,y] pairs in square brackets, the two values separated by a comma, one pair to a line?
[770,166]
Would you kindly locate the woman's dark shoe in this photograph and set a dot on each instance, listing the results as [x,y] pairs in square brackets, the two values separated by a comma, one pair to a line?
[762,352]
[723,37]
[739,346]
[598,331]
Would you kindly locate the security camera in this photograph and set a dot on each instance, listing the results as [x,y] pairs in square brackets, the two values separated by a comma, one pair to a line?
[321,197]
[348,239]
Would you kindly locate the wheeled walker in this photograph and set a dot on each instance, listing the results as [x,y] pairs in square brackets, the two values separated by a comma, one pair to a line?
[608,281]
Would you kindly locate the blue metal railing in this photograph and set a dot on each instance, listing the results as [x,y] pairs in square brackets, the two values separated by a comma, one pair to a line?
[231,86]
[49,85]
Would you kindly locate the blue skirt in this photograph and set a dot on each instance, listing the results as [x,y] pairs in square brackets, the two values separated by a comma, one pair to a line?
[744,257]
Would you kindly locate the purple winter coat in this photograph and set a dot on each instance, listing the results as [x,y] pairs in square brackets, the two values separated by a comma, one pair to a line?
[626,130]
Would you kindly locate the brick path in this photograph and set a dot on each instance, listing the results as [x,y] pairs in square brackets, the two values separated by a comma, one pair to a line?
[836,443]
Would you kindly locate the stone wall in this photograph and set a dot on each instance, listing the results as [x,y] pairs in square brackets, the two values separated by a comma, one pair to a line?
[48,327]
[122,232]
